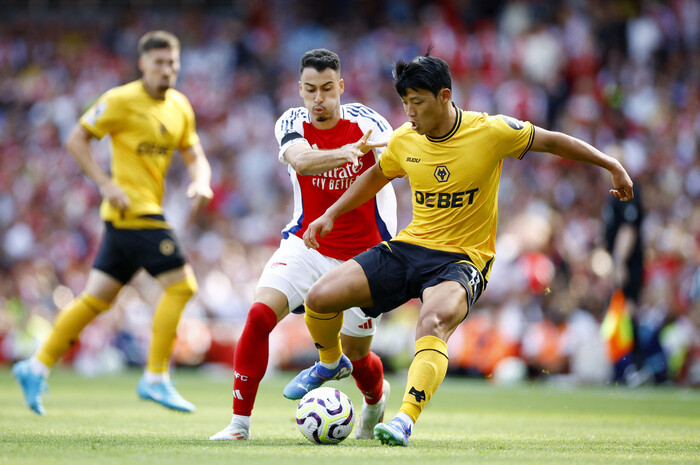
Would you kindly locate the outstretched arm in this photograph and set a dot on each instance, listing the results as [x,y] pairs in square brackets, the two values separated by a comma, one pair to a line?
[199,170]
[78,144]
[307,160]
[363,189]
[575,149]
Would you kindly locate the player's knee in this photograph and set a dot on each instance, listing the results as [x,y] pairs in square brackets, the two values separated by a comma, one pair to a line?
[317,298]
[97,304]
[262,317]
[438,324]
[187,287]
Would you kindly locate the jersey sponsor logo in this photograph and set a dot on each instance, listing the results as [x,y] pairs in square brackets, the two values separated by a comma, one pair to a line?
[513,123]
[419,395]
[442,174]
[339,178]
[445,199]
[152,149]
[413,160]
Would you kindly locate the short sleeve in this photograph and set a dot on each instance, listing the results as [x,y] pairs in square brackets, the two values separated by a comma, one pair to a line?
[389,163]
[511,137]
[289,130]
[104,116]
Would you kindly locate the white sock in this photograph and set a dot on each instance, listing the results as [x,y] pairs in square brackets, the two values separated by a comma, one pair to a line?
[155,378]
[405,418]
[240,421]
[38,368]
[330,366]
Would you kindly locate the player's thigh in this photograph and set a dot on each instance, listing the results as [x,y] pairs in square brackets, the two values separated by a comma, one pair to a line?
[174,276]
[444,307]
[274,299]
[292,270]
[341,288]
[102,285]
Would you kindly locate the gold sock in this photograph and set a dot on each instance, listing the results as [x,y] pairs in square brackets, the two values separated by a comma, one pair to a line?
[425,374]
[165,320]
[68,325]
[325,331]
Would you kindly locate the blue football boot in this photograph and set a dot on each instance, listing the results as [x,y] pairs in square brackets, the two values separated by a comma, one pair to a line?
[314,377]
[165,394]
[394,433]
[33,386]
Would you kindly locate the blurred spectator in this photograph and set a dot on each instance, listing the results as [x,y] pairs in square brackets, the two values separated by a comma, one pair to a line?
[612,73]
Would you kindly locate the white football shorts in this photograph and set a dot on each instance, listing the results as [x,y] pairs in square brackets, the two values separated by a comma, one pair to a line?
[293,269]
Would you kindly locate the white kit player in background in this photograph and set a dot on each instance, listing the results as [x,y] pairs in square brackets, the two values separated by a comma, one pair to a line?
[326,146]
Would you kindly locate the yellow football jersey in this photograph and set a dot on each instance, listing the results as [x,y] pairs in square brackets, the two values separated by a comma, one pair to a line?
[144,133]
[454,181]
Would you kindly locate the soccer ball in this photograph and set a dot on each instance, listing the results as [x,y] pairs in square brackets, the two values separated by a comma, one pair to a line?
[325,416]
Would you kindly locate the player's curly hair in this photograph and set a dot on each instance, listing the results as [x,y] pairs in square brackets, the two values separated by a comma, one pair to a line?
[320,59]
[426,72]
[158,39]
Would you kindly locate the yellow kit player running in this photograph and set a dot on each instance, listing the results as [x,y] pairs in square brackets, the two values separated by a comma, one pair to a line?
[453,160]
[147,120]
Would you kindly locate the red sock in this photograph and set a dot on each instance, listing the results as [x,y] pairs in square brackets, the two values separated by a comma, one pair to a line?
[369,377]
[251,357]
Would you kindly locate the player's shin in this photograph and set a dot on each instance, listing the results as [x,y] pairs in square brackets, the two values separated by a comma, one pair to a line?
[425,374]
[251,357]
[325,331]
[165,320]
[368,373]
[69,323]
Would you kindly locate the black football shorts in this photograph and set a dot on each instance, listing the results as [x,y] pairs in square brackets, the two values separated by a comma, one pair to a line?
[124,251]
[398,272]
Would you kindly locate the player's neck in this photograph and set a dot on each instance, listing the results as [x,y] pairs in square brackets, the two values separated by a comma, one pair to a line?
[152,92]
[446,123]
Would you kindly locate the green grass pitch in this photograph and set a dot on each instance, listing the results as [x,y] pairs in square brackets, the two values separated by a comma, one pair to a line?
[102,421]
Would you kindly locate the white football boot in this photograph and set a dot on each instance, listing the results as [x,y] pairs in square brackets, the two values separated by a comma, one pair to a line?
[371,415]
[235,431]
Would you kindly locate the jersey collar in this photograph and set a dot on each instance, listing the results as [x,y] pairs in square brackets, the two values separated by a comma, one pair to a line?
[451,132]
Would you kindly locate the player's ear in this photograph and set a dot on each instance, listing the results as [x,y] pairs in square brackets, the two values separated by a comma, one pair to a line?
[445,95]
[140,64]
[341,86]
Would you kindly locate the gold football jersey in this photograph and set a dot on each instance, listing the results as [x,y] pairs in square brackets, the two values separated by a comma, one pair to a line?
[144,133]
[454,181]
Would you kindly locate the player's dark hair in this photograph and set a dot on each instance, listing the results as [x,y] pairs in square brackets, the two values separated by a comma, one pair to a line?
[158,39]
[320,59]
[426,72]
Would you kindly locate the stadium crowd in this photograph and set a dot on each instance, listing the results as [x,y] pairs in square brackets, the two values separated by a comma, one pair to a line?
[623,75]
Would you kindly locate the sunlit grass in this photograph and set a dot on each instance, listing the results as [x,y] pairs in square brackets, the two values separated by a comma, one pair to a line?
[101,421]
